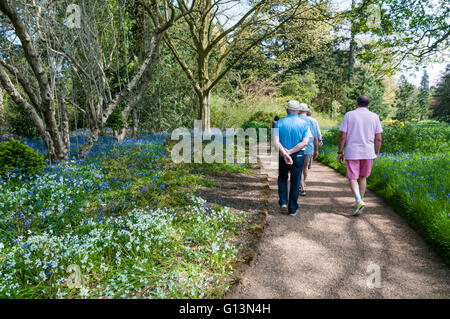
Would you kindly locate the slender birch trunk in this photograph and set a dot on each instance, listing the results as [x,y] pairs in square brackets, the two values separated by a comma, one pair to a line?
[65,125]
[2,110]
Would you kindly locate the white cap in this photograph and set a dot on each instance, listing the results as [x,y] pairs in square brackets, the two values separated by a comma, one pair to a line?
[303,107]
[293,105]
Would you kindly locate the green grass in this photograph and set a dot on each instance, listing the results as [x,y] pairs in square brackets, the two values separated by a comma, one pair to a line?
[227,114]
[416,184]
[210,183]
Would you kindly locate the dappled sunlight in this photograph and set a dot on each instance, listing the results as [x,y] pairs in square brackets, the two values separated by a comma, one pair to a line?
[325,252]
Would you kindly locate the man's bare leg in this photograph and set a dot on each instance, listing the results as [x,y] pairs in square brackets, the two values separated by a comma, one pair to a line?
[362,186]
[303,180]
[304,175]
[359,205]
[355,187]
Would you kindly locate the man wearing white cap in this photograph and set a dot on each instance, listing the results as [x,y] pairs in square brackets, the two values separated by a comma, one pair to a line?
[291,135]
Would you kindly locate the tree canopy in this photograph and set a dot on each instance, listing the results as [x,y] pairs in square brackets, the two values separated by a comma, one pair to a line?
[158,64]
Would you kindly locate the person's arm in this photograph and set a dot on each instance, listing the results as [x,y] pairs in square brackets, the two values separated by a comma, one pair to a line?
[299,146]
[316,147]
[342,140]
[378,132]
[320,134]
[343,128]
[307,134]
[283,151]
[279,147]
[317,139]
[377,143]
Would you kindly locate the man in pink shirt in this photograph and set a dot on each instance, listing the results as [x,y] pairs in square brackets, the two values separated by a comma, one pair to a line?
[361,133]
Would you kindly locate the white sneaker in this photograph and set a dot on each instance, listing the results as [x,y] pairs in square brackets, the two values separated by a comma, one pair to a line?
[283,208]
[359,208]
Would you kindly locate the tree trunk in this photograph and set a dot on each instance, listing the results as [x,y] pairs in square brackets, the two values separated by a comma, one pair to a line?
[351,59]
[135,122]
[131,107]
[47,125]
[2,111]
[351,53]
[87,146]
[65,126]
[120,135]
[51,143]
[140,79]
[205,109]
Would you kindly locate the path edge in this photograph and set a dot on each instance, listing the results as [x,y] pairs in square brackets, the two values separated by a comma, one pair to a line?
[248,252]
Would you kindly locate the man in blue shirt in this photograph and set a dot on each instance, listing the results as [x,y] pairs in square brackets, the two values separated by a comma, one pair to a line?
[313,145]
[291,135]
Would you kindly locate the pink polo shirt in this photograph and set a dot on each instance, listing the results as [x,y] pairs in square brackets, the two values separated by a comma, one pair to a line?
[361,125]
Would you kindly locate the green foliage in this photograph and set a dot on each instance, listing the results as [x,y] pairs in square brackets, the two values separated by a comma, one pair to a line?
[302,87]
[424,97]
[17,156]
[254,66]
[442,109]
[365,83]
[18,122]
[257,126]
[330,69]
[331,136]
[335,109]
[264,117]
[170,100]
[426,137]
[406,101]
[116,120]
[410,29]
[302,37]
[226,113]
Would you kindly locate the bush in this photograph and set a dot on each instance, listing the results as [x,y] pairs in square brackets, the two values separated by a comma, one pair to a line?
[331,136]
[227,113]
[257,125]
[301,87]
[264,117]
[14,155]
[20,124]
[425,137]
[116,120]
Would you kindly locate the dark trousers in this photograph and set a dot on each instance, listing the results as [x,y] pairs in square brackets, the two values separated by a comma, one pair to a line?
[296,174]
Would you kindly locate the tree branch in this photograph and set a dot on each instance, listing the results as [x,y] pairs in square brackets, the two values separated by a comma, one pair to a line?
[25,85]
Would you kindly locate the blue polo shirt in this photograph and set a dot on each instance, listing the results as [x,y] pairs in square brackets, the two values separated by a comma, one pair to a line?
[291,130]
[314,128]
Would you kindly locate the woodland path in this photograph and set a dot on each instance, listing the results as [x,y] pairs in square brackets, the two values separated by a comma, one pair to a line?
[325,252]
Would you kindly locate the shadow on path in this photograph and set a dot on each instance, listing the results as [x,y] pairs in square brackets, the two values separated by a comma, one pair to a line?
[325,252]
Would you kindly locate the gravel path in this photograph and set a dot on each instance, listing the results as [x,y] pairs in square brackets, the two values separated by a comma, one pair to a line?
[325,252]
